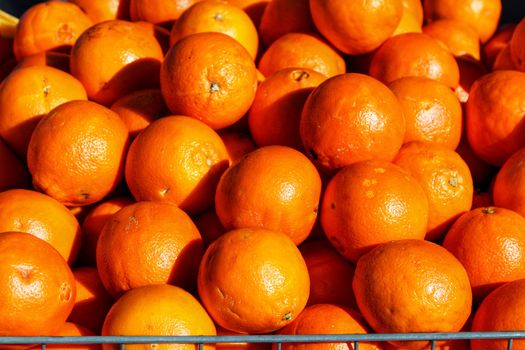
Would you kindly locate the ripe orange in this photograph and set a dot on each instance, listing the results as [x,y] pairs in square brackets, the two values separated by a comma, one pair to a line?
[76,152]
[497,98]
[494,45]
[412,286]
[431,109]
[275,114]
[301,50]
[70,329]
[351,117]
[197,150]
[470,70]
[446,180]
[458,36]
[115,57]
[327,319]
[504,60]
[414,54]
[500,311]
[516,42]
[490,243]
[408,24]
[42,216]
[158,11]
[238,144]
[92,302]
[371,202]
[275,188]
[249,286]
[58,60]
[209,76]
[13,172]
[158,310]
[217,16]
[35,280]
[52,25]
[330,274]
[28,94]
[507,189]
[104,10]
[356,27]
[415,8]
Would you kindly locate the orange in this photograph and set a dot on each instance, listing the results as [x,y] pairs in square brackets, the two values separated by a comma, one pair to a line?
[351,117]
[490,243]
[254,8]
[415,8]
[249,286]
[412,286]
[508,190]
[139,108]
[275,188]
[414,54]
[504,60]
[458,36]
[28,94]
[92,302]
[93,224]
[158,310]
[198,151]
[281,17]
[470,70]
[238,144]
[482,15]
[53,25]
[166,246]
[70,329]
[76,153]
[516,42]
[356,27]
[58,60]
[275,114]
[301,50]
[35,280]
[217,16]
[330,274]
[42,216]
[495,44]
[408,24]
[209,226]
[104,10]
[497,98]
[209,76]
[158,11]
[446,180]
[327,319]
[371,202]
[431,109]
[13,172]
[115,57]
[500,311]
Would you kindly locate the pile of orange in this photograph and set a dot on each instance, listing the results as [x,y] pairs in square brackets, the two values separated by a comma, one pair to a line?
[262,167]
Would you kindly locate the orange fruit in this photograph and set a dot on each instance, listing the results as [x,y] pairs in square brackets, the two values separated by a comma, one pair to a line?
[248,286]
[158,310]
[327,319]
[356,27]
[504,60]
[371,202]
[13,172]
[497,98]
[494,45]
[274,187]
[516,42]
[281,17]
[330,274]
[431,109]
[414,54]
[92,302]
[301,50]
[76,152]
[104,10]
[415,8]
[53,25]
[470,70]
[446,180]
[507,189]
[500,311]
[158,11]
[408,24]
[42,216]
[238,144]
[198,151]
[458,36]
[209,76]
[93,224]
[490,243]
[139,108]
[35,280]
[70,329]
[348,118]
[254,8]
[58,60]
[275,114]
[115,57]
[166,246]
[217,16]
[482,15]
[28,94]
[412,285]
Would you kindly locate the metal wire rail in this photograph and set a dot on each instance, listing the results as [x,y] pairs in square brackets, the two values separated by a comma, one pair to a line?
[278,340]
